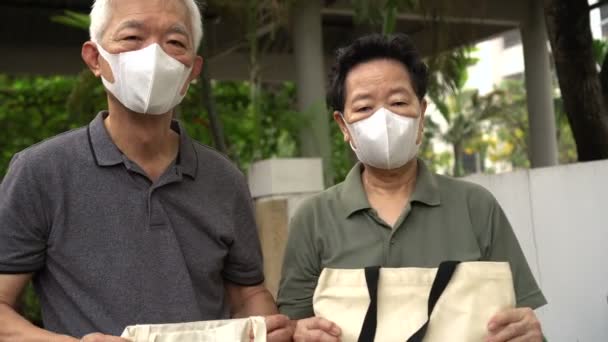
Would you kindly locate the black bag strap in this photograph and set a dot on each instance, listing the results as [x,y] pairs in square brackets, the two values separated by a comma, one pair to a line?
[368,330]
[442,279]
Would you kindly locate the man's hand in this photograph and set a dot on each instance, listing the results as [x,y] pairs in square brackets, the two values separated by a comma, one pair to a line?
[278,328]
[97,337]
[316,329]
[519,325]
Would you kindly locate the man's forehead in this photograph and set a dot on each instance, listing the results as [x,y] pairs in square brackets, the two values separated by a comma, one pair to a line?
[369,74]
[136,13]
[140,24]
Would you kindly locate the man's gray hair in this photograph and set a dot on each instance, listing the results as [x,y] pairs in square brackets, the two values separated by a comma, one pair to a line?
[101,14]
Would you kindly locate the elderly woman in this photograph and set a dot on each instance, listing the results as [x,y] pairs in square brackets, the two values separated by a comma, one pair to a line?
[391,210]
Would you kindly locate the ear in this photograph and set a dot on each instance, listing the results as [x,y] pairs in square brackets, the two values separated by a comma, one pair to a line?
[423,105]
[197,68]
[97,64]
[90,56]
[340,121]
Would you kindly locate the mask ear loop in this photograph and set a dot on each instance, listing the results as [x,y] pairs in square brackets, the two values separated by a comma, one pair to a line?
[419,119]
[106,56]
[352,137]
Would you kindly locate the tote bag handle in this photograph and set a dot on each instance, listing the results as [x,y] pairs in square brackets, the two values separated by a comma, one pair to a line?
[372,274]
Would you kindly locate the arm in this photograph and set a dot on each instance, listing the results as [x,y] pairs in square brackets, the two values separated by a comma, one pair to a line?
[255,300]
[243,271]
[22,249]
[248,301]
[301,270]
[520,323]
[301,265]
[13,326]
[502,245]
[24,228]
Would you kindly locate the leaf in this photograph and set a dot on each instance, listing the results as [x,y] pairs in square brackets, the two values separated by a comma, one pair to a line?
[389,20]
[73,19]
[600,48]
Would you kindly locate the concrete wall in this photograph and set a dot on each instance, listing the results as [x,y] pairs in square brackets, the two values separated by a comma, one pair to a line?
[560,215]
[278,186]
[272,217]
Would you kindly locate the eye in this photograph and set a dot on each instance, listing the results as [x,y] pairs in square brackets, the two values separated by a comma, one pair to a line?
[177,43]
[363,109]
[399,104]
[131,38]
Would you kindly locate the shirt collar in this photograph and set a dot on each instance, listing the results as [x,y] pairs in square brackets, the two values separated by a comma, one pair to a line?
[187,158]
[353,195]
[426,190]
[104,150]
[106,153]
[354,198]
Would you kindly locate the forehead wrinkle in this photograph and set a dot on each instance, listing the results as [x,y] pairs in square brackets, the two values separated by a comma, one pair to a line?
[179,28]
[361,95]
[132,23]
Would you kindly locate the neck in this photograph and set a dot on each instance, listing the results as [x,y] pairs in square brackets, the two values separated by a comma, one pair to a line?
[141,137]
[393,182]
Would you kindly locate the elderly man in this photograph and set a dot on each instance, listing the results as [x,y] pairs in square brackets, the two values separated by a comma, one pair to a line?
[391,210]
[128,220]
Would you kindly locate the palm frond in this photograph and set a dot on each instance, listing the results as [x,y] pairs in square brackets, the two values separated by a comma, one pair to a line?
[73,19]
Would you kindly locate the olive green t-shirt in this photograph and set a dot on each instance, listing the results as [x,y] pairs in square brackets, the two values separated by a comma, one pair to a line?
[445,219]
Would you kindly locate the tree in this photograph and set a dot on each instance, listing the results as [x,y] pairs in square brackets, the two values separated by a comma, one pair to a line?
[382,14]
[583,95]
[261,18]
[466,113]
[511,128]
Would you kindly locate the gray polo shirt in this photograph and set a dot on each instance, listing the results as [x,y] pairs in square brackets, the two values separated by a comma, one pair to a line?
[110,249]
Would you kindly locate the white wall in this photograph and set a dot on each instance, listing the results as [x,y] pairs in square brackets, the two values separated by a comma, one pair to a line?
[596,21]
[560,216]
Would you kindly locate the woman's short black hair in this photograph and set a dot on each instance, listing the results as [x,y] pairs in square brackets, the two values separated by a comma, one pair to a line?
[398,47]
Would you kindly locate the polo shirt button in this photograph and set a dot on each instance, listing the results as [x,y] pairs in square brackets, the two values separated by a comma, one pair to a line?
[392,241]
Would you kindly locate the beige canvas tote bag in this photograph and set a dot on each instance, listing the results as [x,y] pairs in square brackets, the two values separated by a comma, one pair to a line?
[251,329]
[454,302]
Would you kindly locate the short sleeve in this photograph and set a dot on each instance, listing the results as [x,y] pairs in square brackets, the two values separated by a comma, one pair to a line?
[23,226]
[503,246]
[243,264]
[301,266]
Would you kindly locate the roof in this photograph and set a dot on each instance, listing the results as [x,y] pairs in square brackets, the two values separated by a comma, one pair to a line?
[31,43]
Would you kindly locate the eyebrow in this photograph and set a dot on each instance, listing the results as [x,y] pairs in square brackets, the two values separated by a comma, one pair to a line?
[361,96]
[179,29]
[399,89]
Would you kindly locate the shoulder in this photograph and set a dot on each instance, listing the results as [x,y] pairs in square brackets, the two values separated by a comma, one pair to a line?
[317,206]
[42,167]
[214,163]
[55,150]
[321,201]
[475,195]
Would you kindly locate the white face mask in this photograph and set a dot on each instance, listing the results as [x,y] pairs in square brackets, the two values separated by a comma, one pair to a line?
[385,140]
[146,81]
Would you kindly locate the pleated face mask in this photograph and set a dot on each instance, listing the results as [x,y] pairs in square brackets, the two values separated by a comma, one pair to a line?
[385,140]
[147,81]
